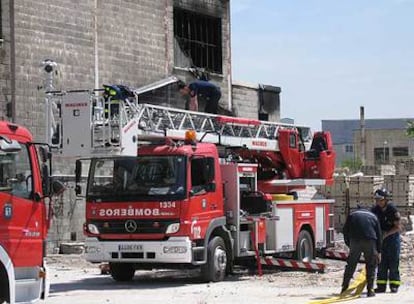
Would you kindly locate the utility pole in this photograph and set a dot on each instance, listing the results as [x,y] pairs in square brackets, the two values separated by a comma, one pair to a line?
[363,139]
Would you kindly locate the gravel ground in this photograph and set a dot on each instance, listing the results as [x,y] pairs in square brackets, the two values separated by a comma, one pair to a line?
[73,280]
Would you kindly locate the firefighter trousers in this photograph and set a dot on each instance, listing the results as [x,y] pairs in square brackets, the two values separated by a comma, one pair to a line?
[388,269]
[356,247]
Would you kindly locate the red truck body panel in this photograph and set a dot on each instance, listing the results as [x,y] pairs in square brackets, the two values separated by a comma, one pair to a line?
[22,235]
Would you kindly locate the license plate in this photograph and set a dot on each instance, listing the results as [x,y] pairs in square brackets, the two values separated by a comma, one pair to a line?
[130,247]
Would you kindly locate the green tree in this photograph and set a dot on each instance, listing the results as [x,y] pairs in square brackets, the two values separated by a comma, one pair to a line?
[410,128]
[354,164]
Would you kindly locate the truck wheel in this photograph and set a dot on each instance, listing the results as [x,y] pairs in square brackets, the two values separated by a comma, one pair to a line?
[304,247]
[215,268]
[4,285]
[122,272]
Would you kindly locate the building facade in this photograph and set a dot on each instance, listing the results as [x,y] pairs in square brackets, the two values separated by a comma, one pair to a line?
[386,141]
[126,42]
[115,42]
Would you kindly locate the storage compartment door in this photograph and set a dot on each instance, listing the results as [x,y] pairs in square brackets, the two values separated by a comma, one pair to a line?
[320,228]
[284,229]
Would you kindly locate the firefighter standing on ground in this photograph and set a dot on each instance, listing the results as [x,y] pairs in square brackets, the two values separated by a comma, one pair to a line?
[208,90]
[362,234]
[389,219]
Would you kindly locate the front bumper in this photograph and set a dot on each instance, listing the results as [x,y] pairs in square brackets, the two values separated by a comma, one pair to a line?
[174,250]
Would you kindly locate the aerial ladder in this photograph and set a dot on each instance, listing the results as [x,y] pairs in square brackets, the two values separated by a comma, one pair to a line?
[112,121]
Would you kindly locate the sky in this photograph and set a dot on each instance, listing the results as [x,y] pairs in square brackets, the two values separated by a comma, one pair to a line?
[329,57]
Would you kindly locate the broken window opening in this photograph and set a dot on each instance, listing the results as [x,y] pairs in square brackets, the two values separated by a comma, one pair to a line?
[1,20]
[198,40]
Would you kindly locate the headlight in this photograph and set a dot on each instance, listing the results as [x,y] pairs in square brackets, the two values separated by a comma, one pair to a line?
[92,249]
[93,229]
[173,228]
[174,249]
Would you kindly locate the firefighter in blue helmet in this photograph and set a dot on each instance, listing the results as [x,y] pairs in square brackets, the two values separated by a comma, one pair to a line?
[389,219]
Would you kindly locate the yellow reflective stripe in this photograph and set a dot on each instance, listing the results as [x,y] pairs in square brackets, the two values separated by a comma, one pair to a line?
[382,282]
[395,283]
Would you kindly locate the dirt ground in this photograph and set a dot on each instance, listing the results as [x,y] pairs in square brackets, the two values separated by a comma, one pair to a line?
[73,280]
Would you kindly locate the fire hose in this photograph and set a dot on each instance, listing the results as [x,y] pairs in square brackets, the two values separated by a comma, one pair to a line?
[353,292]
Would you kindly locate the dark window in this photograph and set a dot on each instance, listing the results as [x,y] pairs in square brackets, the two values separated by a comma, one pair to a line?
[292,141]
[400,151]
[202,174]
[263,116]
[349,148]
[16,173]
[199,41]
[381,155]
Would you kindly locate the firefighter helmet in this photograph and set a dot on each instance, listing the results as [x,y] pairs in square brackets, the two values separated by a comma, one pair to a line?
[381,194]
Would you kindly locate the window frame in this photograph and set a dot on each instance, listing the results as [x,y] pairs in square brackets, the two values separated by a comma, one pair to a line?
[19,172]
[349,148]
[203,174]
[400,149]
[194,35]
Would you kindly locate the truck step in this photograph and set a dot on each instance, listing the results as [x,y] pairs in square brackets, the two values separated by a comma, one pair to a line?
[28,290]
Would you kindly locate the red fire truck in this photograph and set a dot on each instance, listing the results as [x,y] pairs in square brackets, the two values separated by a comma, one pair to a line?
[24,222]
[173,188]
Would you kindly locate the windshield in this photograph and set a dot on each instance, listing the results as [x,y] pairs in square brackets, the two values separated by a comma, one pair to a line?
[138,178]
[15,173]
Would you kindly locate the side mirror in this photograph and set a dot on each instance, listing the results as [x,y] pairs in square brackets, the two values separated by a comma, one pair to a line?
[78,189]
[45,179]
[78,171]
[57,187]
[78,176]
[44,154]
[211,187]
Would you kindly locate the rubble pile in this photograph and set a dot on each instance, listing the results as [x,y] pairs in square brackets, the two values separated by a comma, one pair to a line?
[407,247]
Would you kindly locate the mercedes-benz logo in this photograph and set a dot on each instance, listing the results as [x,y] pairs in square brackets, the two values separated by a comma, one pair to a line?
[131,226]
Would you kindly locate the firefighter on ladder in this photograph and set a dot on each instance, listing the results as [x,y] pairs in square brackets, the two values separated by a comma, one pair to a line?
[389,218]
[210,92]
[113,95]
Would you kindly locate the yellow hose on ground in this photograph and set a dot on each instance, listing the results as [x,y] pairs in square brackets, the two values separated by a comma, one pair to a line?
[353,292]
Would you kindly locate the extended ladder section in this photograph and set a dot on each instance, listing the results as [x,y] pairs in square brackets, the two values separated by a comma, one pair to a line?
[84,122]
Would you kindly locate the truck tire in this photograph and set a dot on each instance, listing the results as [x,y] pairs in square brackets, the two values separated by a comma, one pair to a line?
[304,247]
[4,285]
[122,272]
[215,268]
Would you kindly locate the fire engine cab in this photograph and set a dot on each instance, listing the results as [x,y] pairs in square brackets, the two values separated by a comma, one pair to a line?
[173,188]
[24,220]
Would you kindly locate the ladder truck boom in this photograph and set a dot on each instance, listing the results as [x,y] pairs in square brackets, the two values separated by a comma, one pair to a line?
[90,123]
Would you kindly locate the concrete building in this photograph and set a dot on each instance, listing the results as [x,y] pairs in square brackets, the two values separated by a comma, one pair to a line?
[386,141]
[116,42]
[129,42]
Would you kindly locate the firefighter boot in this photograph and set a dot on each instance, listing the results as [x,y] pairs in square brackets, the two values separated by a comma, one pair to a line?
[345,285]
[370,287]
[394,288]
[380,288]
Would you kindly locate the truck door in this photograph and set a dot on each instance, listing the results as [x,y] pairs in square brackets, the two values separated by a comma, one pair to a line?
[21,218]
[292,153]
[204,198]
